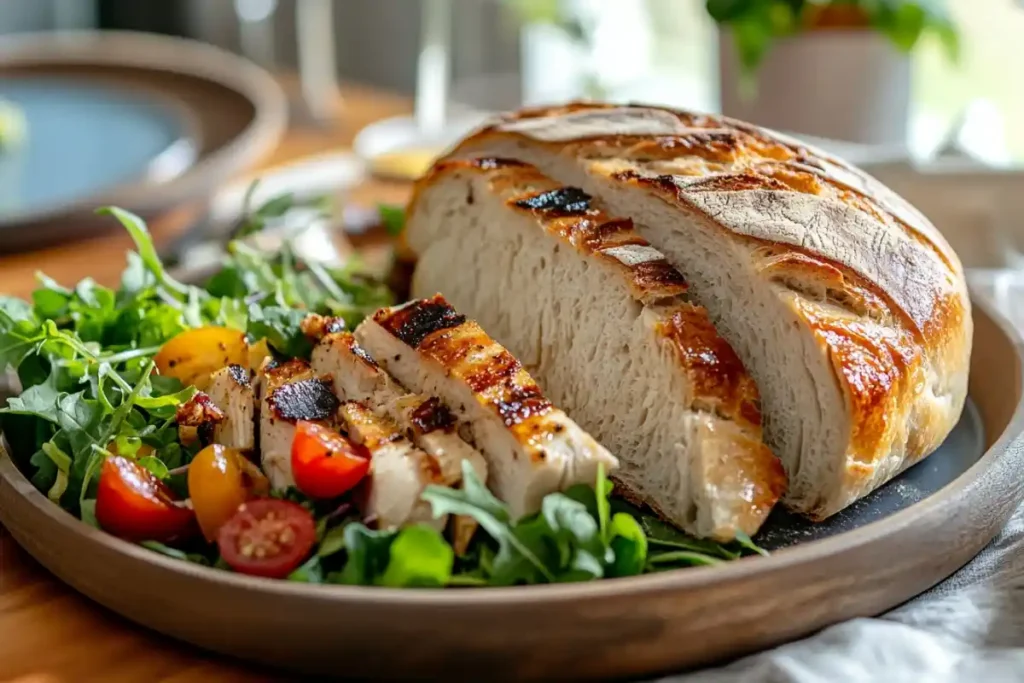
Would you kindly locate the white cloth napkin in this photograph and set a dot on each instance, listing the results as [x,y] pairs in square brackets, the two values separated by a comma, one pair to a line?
[970,628]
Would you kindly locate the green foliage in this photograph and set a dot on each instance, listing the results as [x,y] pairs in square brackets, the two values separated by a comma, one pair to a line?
[756,24]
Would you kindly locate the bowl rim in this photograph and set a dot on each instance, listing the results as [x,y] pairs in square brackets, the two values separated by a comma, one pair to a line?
[673,581]
[167,54]
[171,162]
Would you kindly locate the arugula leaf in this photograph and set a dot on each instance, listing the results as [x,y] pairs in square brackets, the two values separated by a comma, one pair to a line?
[155,466]
[38,401]
[258,219]
[602,490]
[92,309]
[281,328]
[87,511]
[46,470]
[419,556]
[15,310]
[136,227]
[309,571]
[165,406]
[135,278]
[228,283]
[230,312]
[628,545]
[62,461]
[368,555]
[25,434]
[17,342]
[577,535]
[51,299]
[474,500]
[76,413]
[172,455]
[332,542]
[744,542]
[97,456]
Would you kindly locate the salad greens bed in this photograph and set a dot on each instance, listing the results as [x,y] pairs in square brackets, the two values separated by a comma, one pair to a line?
[84,358]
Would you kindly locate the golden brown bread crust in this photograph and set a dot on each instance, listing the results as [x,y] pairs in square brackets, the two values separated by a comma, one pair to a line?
[879,356]
[875,283]
[575,218]
[747,155]
[721,384]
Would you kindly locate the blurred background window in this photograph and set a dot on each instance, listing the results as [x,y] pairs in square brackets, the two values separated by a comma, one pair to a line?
[655,50]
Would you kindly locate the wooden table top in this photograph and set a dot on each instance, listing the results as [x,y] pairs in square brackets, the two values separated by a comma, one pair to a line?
[49,633]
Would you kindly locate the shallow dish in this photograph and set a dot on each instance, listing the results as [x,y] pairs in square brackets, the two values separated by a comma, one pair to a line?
[890,548]
[230,111]
[86,138]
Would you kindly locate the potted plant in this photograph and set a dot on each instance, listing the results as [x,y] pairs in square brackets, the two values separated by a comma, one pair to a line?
[573,48]
[836,69]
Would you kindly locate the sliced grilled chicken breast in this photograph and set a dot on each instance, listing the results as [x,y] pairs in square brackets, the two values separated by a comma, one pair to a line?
[291,392]
[424,419]
[398,472]
[197,419]
[231,390]
[601,319]
[531,447]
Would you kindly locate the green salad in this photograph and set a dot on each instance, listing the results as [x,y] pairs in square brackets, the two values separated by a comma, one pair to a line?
[108,378]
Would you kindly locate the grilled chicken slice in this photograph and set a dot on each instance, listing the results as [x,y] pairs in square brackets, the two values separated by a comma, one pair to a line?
[232,392]
[399,471]
[197,419]
[291,392]
[531,447]
[424,419]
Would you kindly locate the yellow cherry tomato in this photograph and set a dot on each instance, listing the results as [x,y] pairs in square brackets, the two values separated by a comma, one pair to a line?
[219,480]
[258,352]
[193,355]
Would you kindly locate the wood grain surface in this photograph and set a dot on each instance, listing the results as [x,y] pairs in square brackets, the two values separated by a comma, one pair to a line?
[48,632]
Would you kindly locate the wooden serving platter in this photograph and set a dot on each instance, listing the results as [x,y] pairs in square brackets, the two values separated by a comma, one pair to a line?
[881,553]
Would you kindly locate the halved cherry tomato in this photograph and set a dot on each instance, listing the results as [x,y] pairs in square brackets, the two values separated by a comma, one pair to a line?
[219,480]
[324,463]
[193,355]
[267,537]
[135,505]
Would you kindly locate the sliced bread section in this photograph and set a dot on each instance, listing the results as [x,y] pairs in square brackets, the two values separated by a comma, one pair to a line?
[600,318]
[845,304]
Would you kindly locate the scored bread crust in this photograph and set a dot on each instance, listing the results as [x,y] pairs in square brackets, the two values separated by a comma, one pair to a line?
[737,479]
[870,283]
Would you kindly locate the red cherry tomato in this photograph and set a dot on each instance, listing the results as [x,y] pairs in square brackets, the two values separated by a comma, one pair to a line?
[324,463]
[135,505]
[267,537]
